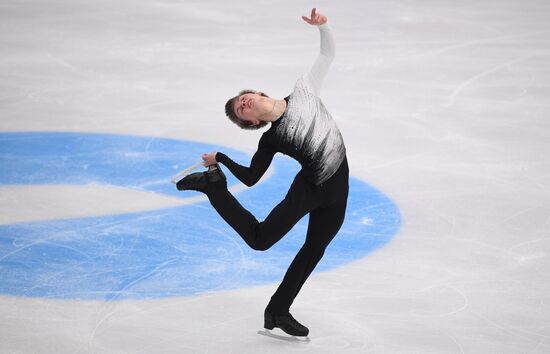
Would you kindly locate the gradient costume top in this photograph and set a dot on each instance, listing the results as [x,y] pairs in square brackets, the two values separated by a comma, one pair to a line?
[305,131]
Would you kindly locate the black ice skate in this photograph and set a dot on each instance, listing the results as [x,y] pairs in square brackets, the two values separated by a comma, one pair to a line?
[201,181]
[285,322]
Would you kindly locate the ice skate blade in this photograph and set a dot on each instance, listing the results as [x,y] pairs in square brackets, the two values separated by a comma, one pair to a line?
[185,172]
[286,337]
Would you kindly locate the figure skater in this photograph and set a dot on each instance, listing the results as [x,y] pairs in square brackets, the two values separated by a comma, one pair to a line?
[302,128]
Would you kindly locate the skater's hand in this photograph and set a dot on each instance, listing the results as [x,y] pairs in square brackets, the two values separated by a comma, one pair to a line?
[316,19]
[209,159]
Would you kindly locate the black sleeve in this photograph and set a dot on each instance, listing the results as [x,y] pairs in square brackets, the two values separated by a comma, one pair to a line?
[259,164]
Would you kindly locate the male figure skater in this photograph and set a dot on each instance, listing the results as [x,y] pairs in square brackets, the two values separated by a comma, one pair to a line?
[302,128]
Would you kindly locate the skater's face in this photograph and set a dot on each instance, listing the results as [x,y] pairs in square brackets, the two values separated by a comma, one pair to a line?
[247,107]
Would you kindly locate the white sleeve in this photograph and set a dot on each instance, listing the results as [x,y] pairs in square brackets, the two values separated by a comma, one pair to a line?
[318,71]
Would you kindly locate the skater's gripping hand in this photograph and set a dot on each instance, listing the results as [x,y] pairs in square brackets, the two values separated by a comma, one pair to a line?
[209,159]
[316,18]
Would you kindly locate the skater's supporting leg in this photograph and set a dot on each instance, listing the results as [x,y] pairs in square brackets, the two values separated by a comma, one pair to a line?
[323,226]
[324,223]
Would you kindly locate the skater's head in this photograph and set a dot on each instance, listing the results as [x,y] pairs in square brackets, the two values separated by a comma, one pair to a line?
[243,109]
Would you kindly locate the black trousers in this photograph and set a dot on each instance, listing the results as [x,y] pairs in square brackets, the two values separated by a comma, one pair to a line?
[326,205]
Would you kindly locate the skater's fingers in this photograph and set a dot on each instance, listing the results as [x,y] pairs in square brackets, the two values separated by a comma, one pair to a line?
[315,18]
[209,159]
[311,18]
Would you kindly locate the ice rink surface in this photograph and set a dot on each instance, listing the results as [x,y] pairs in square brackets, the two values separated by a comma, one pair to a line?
[444,107]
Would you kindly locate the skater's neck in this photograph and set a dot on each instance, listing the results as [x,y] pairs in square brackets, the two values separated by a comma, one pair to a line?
[278,107]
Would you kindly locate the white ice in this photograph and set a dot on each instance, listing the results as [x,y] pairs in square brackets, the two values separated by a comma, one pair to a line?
[444,106]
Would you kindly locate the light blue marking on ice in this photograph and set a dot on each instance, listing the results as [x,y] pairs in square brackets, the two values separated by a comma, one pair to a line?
[168,252]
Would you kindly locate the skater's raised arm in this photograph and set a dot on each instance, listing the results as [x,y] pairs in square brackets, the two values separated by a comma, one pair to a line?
[320,67]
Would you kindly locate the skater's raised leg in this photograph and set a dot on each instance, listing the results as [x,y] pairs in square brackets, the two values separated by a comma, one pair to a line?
[262,235]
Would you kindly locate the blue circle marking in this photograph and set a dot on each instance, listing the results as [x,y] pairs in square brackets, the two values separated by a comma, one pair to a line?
[175,251]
